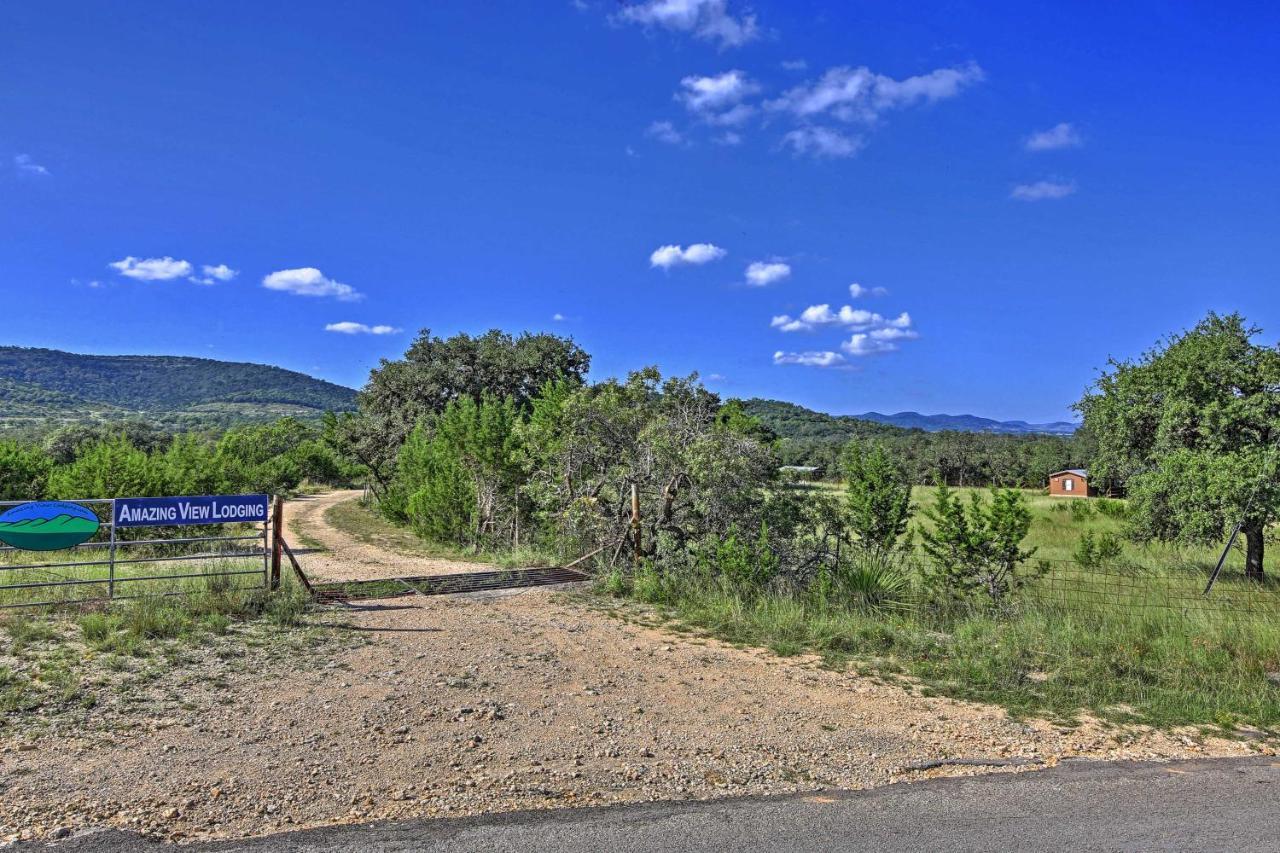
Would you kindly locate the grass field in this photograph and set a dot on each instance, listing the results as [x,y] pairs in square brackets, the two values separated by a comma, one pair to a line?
[1059,523]
[1131,641]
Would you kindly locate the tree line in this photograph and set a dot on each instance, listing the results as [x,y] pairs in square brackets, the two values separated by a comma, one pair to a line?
[498,441]
[136,459]
[808,438]
[495,440]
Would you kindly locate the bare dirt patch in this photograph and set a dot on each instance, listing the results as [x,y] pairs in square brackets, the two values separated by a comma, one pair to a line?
[462,705]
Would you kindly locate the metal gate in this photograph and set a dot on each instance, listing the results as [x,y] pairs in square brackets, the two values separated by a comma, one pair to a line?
[126,555]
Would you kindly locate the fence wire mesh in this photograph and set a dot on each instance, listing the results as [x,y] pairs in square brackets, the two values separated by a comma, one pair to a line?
[1070,585]
[1120,586]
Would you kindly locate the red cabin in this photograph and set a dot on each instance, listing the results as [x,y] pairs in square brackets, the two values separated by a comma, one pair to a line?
[1071,483]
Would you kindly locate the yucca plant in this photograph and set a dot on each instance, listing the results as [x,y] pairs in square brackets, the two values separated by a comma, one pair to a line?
[871,580]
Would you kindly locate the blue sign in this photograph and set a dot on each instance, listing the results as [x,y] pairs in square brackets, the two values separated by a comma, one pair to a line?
[201,509]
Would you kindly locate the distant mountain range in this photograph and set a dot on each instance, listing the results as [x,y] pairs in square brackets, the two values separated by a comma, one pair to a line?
[792,421]
[966,423]
[44,384]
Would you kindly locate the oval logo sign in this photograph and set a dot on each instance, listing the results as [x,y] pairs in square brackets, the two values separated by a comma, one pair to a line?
[47,525]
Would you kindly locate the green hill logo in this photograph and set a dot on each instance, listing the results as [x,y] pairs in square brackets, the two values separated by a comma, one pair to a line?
[47,526]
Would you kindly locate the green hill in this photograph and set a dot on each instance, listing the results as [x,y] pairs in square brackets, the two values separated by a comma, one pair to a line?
[44,384]
[47,534]
[791,421]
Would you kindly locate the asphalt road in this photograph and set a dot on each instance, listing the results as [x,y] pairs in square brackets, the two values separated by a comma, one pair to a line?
[1222,804]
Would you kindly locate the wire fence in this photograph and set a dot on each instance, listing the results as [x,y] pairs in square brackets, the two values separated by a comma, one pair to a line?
[1119,586]
[1127,587]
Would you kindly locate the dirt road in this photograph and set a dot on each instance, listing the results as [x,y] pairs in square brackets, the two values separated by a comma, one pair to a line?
[343,558]
[470,705]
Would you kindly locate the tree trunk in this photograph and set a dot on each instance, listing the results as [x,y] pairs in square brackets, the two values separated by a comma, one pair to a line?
[1253,535]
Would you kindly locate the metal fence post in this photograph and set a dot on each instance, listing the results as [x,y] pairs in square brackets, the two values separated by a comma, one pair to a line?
[277,520]
[111,556]
[266,551]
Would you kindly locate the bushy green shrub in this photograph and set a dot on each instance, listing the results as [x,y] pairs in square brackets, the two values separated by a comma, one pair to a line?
[1112,508]
[109,469]
[650,585]
[1081,510]
[274,458]
[24,472]
[1096,552]
[744,565]
[976,549]
[878,504]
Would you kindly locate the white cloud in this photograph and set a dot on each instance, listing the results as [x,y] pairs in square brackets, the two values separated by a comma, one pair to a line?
[787,323]
[666,257]
[894,333]
[214,274]
[709,94]
[809,359]
[1061,135]
[705,19]
[872,333]
[558,317]
[26,166]
[863,343]
[348,328]
[718,100]
[168,269]
[821,315]
[882,339]
[731,117]
[857,291]
[794,65]
[729,138]
[1042,190]
[665,131]
[309,281]
[221,272]
[821,142]
[716,377]
[763,273]
[859,94]
[152,269]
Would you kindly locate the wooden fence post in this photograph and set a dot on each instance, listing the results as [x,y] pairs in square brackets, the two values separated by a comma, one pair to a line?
[277,521]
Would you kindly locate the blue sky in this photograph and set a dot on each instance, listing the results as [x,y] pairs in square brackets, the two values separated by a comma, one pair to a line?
[1020,190]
